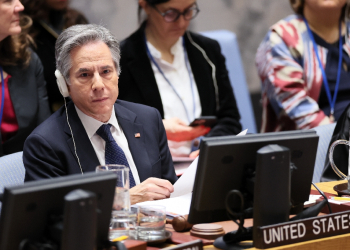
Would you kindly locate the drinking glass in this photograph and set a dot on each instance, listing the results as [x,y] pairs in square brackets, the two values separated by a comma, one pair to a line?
[151,222]
[123,223]
[122,218]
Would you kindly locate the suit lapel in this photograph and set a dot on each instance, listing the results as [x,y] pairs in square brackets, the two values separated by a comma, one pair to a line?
[144,79]
[85,151]
[202,74]
[137,147]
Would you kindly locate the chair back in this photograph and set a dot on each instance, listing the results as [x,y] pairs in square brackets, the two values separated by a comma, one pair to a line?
[325,133]
[11,171]
[229,48]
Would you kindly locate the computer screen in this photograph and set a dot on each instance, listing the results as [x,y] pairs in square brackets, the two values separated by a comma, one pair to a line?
[26,208]
[226,163]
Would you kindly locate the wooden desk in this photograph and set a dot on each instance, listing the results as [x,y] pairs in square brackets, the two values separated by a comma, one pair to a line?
[336,242]
[328,186]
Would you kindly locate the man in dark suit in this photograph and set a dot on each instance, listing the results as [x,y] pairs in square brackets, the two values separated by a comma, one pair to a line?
[70,141]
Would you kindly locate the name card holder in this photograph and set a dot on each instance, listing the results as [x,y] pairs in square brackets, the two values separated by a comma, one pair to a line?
[302,230]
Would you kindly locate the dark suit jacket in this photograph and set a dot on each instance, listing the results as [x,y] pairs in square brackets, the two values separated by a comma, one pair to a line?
[138,84]
[27,89]
[49,151]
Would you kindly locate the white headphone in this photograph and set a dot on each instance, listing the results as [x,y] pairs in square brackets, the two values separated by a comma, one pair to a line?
[61,83]
[62,86]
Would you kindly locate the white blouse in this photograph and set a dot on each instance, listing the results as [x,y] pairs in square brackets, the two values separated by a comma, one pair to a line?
[178,75]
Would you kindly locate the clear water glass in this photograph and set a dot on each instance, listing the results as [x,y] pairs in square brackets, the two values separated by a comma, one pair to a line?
[151,222]
[122,218]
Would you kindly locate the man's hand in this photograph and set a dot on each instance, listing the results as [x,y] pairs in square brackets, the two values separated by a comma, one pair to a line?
[151,189]
[177,130]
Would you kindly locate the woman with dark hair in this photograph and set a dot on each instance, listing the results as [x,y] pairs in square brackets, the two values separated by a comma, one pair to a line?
[180,73]
[50,18]
[23,103]
[304,63]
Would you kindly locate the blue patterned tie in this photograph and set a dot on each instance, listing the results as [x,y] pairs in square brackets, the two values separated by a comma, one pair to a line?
[113,153]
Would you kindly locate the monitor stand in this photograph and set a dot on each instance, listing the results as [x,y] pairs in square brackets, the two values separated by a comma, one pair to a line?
[75,229]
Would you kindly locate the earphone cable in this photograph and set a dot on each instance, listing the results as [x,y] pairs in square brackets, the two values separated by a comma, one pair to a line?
[75,148]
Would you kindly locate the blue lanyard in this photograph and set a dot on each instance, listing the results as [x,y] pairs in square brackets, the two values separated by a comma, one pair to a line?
[167,80]
[325,80]
[2,94]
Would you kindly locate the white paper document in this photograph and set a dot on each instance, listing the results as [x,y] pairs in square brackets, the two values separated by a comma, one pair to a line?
[184,184]
[244,132]
[312,200]
[174,206]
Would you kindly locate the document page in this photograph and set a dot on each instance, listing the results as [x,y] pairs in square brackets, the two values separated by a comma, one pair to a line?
[174,206]
[184,184]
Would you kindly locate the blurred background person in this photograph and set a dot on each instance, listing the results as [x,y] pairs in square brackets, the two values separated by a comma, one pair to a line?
[180,73]
[23,93]
[50,18]
[303,64]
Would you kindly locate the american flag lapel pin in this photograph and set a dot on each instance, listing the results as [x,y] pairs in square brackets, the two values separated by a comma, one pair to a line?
[137,135]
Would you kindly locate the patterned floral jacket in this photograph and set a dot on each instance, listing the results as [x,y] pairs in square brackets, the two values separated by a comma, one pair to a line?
[291,77]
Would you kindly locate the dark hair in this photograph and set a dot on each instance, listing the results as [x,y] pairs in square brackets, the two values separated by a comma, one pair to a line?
[38,10]
[152,3]
[297,6]
[14,49]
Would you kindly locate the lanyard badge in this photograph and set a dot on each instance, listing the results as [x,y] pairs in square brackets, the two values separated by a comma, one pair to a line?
[170,84]
[325,80]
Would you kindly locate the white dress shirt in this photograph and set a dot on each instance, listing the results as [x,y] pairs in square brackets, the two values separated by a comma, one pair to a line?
[178,75]
[91,125]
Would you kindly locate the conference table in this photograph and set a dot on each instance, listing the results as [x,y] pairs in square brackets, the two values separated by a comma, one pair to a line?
[334,242]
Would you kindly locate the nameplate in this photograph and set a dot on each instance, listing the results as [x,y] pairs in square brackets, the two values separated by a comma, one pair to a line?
[302,230]
[192,245]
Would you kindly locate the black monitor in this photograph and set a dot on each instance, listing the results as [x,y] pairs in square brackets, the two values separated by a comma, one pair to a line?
[26,209]
[228,162]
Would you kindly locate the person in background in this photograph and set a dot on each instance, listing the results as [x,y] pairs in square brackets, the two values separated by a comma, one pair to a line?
[304,63]
[180,73]
[24,103]
[50,18]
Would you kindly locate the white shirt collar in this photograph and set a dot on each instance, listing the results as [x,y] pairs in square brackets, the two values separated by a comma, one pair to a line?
[91,125]
[175,50]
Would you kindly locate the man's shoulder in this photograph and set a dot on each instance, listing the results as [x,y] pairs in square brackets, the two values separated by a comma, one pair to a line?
[52,125]
[137,108]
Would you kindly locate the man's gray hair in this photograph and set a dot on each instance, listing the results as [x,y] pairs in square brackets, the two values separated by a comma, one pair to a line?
[79,35]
